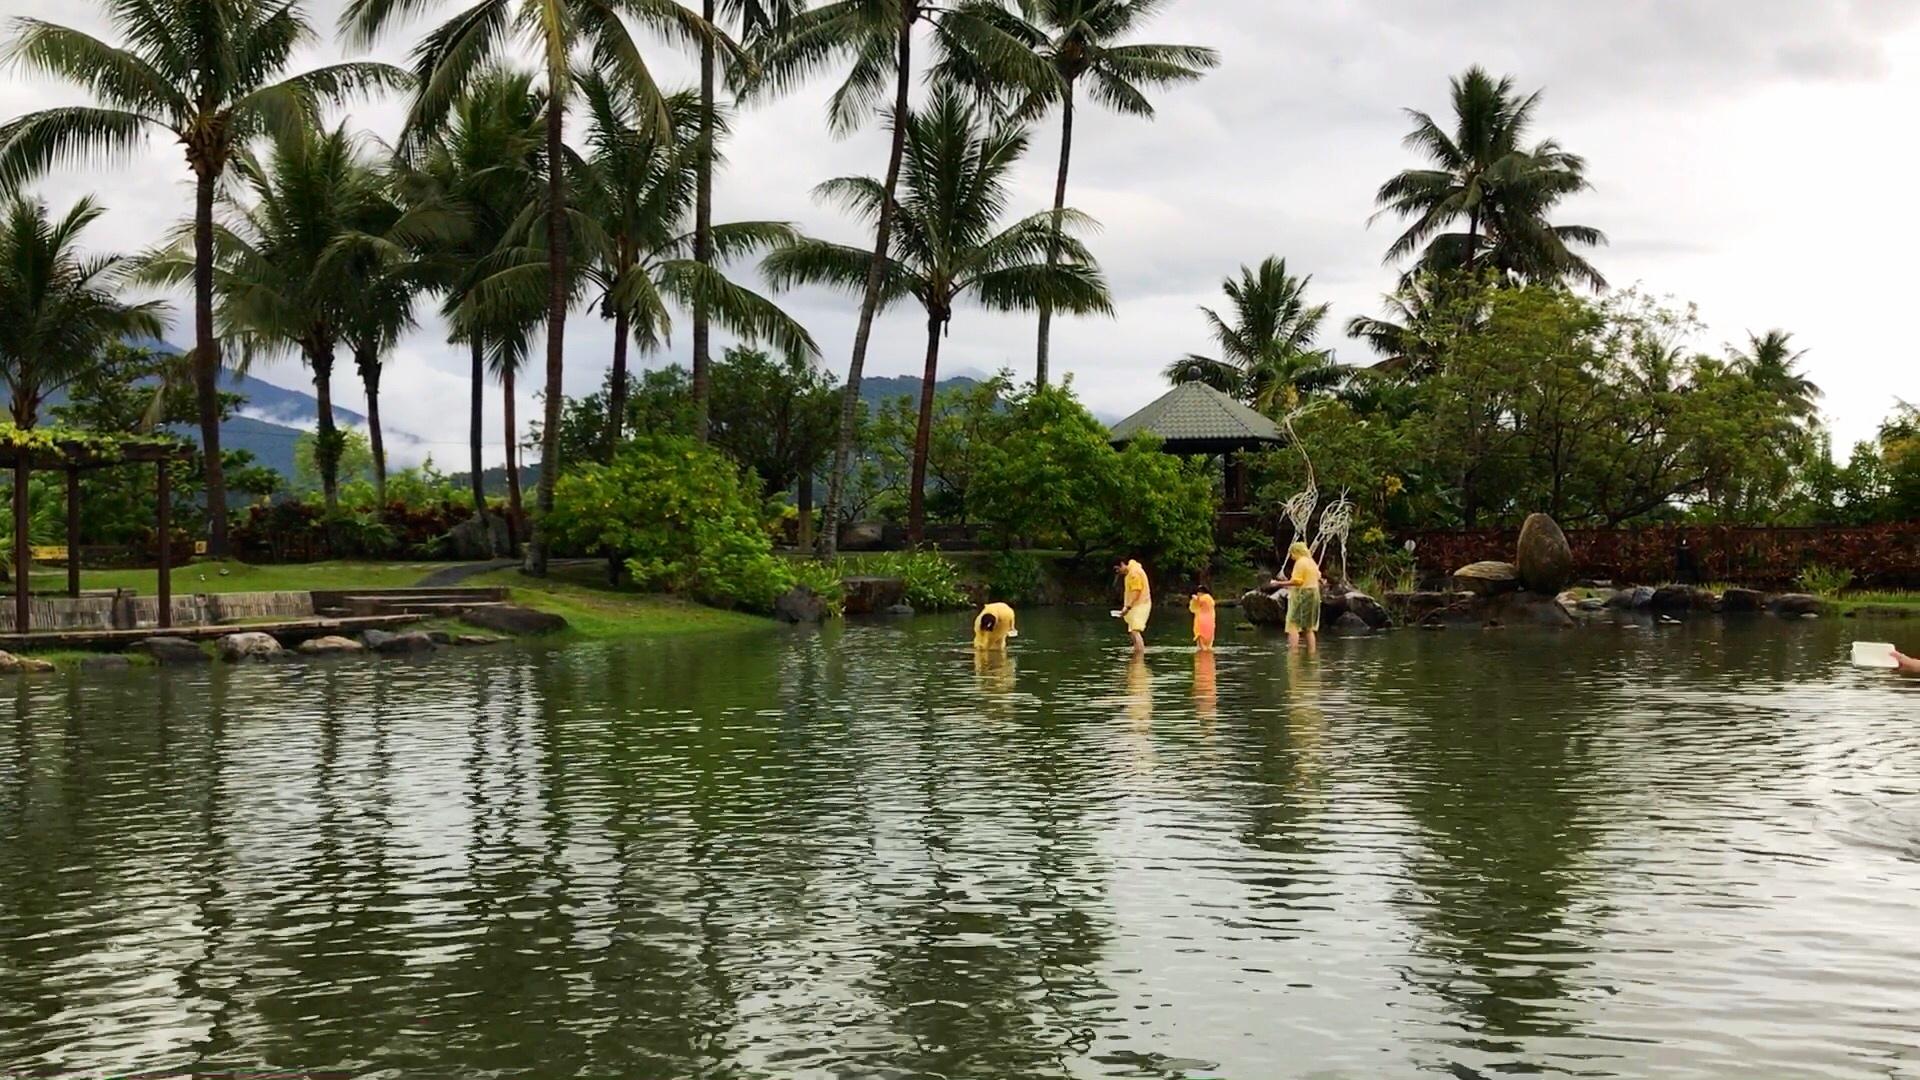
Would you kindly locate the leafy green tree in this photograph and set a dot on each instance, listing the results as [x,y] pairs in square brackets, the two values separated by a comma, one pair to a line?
[574,37]
[875,39]
[59,308]
[776,417]
[967,422]
[352,460]
[1084,42]
[640,190]
[1420,319]
[1267,358]
[213,75]
[1482,171]
[949,246]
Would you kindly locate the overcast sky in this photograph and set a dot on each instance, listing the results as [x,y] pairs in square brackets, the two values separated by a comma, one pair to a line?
[1745,156]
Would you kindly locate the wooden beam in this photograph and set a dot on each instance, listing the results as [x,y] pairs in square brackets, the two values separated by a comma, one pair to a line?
[22,594]
[166,547]
[73,531]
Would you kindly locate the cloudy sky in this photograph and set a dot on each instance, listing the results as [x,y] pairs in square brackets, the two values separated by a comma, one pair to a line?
[1744,153]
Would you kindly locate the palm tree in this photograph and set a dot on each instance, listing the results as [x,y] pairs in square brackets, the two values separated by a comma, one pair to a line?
[641,186]
[573,37]
[485,168]
[1772,363]
[1418,319]
[875,39]
[386,261]
[949,245]
[58,307]
[758,21]
[1082,40]
[1482,171]
[212,75]
[1266,341]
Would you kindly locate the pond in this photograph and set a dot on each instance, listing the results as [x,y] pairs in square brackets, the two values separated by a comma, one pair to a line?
[854,852]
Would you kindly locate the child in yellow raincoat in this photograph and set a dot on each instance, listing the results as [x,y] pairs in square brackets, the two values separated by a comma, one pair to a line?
[992,627]
[1201,604]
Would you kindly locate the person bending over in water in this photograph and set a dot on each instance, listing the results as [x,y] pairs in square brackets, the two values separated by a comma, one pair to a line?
[992,627]
[1906,665]
[1201,604]
[1303,596]
[1137,603]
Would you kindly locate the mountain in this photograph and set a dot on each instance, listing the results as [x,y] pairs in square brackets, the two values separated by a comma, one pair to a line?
[877,390]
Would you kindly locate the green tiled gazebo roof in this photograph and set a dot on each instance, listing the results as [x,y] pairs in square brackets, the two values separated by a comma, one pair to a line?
[1194,418]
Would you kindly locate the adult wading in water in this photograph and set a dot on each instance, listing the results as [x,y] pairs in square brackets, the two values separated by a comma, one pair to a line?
[1136,603]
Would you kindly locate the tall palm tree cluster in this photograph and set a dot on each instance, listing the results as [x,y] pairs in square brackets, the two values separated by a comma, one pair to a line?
[319,242]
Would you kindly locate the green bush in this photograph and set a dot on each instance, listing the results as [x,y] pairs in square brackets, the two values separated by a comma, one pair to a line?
[825,581]
[681,517]
[933,580]
[1015,577]
[1822,580]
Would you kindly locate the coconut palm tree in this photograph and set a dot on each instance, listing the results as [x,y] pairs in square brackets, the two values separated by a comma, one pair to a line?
[572,37]
[1083,41]
[1266,340]
[641,187]
[1773,364]
[1417,321]
[59,307]
[875,39]
[387,259]
[1482,171]
[949,245]
[212,74]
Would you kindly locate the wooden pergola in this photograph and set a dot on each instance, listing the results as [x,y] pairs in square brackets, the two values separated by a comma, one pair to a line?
[1194,419]
[72,456]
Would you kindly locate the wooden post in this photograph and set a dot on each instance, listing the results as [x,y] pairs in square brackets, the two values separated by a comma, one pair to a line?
[73,532]
[165,615]
[22,595]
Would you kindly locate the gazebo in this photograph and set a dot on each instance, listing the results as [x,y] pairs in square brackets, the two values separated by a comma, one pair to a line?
[1194,419]
[21,452]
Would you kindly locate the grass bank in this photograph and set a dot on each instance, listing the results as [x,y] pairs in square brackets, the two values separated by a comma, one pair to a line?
[1894,605]
[593,610]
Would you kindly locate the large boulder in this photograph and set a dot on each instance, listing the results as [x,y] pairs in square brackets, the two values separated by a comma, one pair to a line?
[1638,598]
[250,647]
[799,605]
[512,619]
[22,665]
[1465,609]
[1794,605]
[873,595]
[408,644]
[105,662]
[480,538]
[331,645]
[1413,607]
[171,651]
[1742,601]
[1542,556]
[1487,578]
[1529,610]
[1368,610]
[1674,598]
[1264,608]
[863,536]
[1349,623]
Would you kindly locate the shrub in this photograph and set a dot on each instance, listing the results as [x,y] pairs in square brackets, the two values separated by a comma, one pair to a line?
[1015,577]
[933,580]
[825,581]
[1823,580]
[681,517]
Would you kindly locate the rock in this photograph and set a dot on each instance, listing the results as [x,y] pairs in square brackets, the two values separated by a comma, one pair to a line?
[439,637]
[1592,603]
[1368,610]
[512,619]
[1415,606]
[107,662]
[407,644]
[250,647]
[1794,605]
[171,651]
[1465,610]
[331,645]
[480,538]
[1263,609]
[1742,601]
[863,536]
[870,595]
[799,605]
[1531,610]
[1487,578]
[1681,598]
[475,641]
[22,665]
[1349,623]
[1635,599]
[1542,556]
[900,609]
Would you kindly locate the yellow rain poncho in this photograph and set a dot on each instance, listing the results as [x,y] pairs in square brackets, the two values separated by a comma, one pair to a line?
[1303,595]
[993,637]
[1138,604]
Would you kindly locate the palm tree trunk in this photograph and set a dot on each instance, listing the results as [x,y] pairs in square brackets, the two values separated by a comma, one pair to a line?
[870,302]
[537,553]
[703,233]
[515,512]
[1473,238]
[206,364]
[803,539]
[368,361]
[923,437]
[326,451]
[617,387]
[474,422]
[1053,251]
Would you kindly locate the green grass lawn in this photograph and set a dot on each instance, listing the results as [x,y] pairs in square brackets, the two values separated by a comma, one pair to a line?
[1895,602]
[207,577]
[593,610]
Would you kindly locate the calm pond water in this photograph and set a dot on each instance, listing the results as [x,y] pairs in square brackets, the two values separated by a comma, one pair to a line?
[1685,851]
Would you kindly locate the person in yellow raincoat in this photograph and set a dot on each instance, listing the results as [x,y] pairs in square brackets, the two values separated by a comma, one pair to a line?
[1137,603]
[992,627]
[1303,596]
[1201,604]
